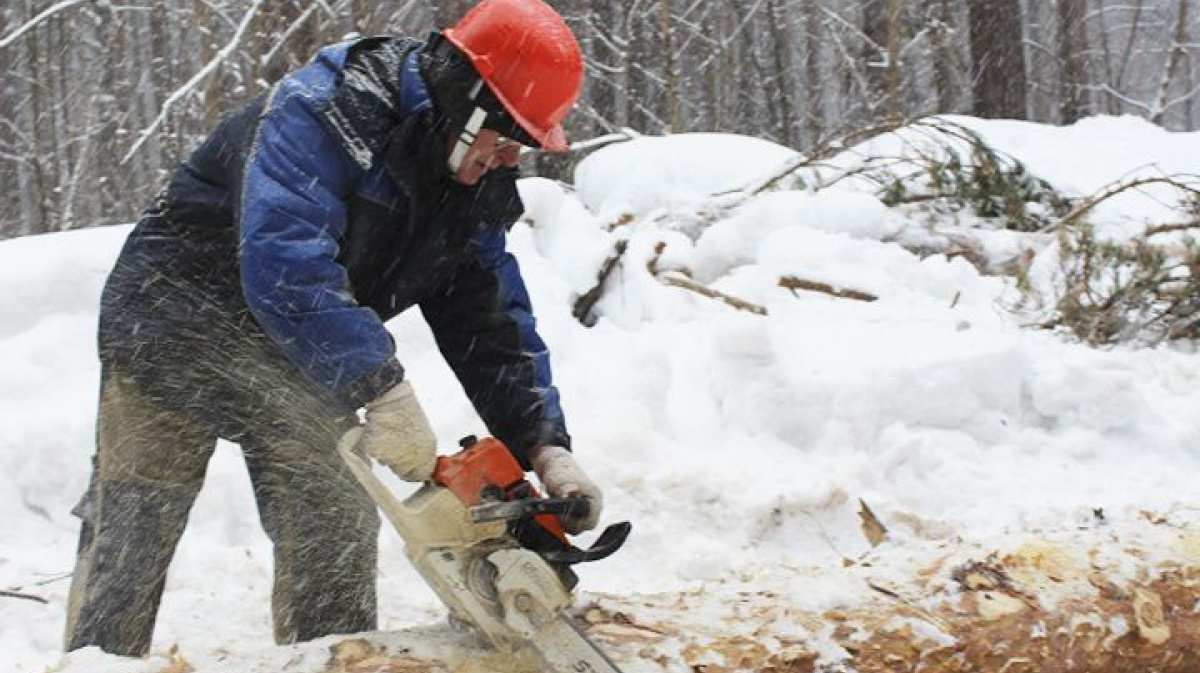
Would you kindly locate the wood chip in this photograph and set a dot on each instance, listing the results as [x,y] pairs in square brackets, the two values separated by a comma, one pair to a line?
[875,531]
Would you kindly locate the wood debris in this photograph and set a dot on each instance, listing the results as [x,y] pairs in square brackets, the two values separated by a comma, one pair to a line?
[794,283]
[875,531]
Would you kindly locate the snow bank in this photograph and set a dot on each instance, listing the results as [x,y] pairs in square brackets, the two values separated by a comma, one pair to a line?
[1077,160]
[654,171]
[732,440]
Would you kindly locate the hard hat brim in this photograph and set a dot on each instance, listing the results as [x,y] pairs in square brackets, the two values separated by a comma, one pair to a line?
[553,139]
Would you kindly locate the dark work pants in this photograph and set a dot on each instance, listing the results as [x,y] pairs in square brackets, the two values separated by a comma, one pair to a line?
[148,469]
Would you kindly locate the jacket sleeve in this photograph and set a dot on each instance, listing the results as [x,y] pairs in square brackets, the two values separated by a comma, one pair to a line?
[296,182]
[484,325]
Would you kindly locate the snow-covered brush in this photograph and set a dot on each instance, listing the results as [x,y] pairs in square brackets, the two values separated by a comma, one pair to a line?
[941,164]
[1107,287]
[1138,291]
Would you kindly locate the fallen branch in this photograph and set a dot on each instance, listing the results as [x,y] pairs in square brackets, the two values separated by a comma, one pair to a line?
[1170,228]
[5,593]
[794,164]
[793,283]
[1112,190]
[676,279]
[584,305]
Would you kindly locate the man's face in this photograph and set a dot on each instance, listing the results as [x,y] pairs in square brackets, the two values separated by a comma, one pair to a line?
[489,151]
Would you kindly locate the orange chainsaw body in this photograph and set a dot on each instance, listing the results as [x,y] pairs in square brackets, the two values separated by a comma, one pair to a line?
[486,468]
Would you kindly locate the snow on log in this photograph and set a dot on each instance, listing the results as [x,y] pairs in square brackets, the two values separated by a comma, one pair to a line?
[1101,600]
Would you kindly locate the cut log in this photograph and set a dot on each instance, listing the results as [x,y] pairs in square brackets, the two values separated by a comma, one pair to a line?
[1086,601]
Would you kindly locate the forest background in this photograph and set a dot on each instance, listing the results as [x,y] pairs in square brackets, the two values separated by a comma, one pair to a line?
[100,99]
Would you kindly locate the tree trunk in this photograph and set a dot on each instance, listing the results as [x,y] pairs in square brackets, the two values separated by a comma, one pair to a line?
[941,19]
[895,29]
[1175,58]
[874,58]
[1106,53]
[37,183]
[1072,45]
[814,81]
[10,219]
[1135,26]
[666,26]
[998,58]
[780,39]
[446,13]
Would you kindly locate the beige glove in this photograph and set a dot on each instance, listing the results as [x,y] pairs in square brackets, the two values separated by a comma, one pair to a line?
[398,435]
[562,477]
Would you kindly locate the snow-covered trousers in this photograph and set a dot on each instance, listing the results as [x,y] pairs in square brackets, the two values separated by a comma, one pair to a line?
[148,469]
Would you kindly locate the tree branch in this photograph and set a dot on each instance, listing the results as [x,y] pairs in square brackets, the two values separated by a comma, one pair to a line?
[5,593]
[32,23]
[1169,228]
[793,283]
[287,34]
[1111,191]
[676,279]
[196,79]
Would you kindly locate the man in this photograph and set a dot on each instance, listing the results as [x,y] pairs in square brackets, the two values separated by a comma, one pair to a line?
[249,303]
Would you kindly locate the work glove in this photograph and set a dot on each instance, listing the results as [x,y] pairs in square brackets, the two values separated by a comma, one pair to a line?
[563,478]
[397,434]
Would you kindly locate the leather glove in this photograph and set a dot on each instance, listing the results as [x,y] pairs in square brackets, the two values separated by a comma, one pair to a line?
[562,477]
[397,434]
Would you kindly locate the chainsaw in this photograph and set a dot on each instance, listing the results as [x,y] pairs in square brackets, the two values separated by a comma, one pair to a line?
[493,550]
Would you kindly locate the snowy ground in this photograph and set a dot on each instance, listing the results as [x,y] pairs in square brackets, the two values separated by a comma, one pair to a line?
[735,442]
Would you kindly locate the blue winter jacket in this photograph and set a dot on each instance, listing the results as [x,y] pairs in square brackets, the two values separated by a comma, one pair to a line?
[332,197]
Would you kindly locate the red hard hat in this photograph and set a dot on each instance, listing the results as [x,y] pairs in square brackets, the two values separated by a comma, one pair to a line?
[527,55]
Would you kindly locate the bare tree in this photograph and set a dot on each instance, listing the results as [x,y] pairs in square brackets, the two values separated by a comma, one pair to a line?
[814,80]
[1073,44]
[448,12]
[876,57]
[997,52]
[1176,56]
[100,100]
[781,36]
[944,53]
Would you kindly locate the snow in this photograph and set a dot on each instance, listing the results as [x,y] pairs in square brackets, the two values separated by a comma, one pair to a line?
[650,172]
[736,443]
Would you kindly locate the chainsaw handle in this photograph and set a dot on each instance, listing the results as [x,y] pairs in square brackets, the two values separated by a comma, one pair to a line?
[509,510]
